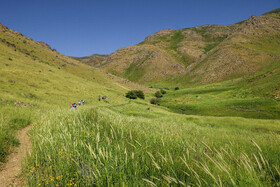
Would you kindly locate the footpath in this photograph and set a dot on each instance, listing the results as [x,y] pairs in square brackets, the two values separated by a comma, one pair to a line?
[10,173]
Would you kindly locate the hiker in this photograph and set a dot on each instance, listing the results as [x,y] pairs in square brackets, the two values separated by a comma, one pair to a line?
[72,108]
[74,105]
[105,99]
[79,102]
[82,102]
[99,98]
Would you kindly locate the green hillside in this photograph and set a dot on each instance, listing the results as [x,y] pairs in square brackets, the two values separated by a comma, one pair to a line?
[35,78]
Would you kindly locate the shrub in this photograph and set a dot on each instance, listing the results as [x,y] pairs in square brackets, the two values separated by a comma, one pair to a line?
[139,94]
[162,91]
[155,101]
[133,94]
[176,88]
[158,94]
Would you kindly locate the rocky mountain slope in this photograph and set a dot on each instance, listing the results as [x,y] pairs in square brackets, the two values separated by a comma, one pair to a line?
[202,54]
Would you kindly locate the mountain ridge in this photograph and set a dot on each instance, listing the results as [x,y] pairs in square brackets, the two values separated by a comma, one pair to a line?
[202,54]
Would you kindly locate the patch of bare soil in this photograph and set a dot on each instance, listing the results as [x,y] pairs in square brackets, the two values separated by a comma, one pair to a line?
[10,174]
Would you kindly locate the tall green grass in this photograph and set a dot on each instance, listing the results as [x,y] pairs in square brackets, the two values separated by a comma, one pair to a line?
[127,145]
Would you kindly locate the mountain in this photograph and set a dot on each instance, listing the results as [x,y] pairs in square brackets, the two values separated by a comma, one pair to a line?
[203,54]
[95,60]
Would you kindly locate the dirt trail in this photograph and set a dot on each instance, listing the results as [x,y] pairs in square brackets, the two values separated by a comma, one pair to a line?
[10,175]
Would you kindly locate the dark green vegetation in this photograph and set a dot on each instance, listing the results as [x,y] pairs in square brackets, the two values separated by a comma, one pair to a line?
[158,94]
[134,94]
[162,91]
[155,101]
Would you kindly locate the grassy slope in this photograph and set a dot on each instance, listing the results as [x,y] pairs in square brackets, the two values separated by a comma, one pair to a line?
[224,99]
[253,96]
[35,79]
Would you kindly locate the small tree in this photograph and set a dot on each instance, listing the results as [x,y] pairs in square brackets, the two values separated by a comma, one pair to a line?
[158,94]
[155,101]
[162,91]
[131,95]
[139,94]
[176,88]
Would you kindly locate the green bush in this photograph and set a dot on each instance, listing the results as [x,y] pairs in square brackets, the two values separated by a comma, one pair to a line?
[162,91]
[155,101]
[139,94]
[133,94]
[158,94]
[176,88]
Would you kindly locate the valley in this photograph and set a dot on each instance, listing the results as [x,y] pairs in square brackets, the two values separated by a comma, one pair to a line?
[216,122]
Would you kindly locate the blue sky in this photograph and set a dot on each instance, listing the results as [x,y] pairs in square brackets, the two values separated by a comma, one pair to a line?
[85,27]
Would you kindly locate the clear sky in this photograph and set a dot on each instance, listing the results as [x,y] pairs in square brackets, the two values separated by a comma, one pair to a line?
[85,27]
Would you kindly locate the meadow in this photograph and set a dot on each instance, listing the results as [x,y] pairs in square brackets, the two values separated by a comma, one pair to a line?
[124,144]
[221,99]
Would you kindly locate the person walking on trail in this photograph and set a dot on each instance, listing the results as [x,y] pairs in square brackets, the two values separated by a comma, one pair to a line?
[99,98]
[74,105]
[79,102]
[82,102]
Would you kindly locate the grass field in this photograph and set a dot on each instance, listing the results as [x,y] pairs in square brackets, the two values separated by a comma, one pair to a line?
[221,100]
[127,145]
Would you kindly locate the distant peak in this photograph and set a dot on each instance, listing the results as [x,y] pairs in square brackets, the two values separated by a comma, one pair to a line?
[253,17]
[160,33]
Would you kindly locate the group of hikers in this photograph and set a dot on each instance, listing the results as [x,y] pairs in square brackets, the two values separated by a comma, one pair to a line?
[81,102]
[74,105]
[104,98]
